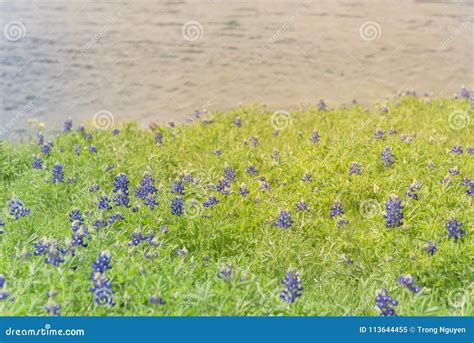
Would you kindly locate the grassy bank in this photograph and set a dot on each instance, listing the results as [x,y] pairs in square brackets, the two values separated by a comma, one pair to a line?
[227,256]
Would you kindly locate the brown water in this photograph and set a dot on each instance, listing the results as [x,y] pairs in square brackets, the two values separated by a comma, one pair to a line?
[161,60]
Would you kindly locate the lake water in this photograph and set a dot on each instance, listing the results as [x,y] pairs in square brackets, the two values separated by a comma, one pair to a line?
[159,60]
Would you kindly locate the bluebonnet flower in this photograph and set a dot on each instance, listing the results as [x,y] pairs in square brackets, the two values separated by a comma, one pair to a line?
[237,122]
[18,208]
[393,213]
[88,136]
[315,137]
[222,186]
[471,101]
[407,281]
[115,132]
[252,170]
[188,178]
[147,187]
[218,152]
[412,191]
[306,177]
[453,226]
[102,263]
[470,149]
[76,215]
[114,217]
[46,148]
[254,141]
[470,189]
[138,237]
[94,188]
[102,290]
[385,303]
[464,92]
[337,209]
[40,138]
[321,105]
[121,189]
[293,288]
[264,185]
[341,222]
[53,309]
[379,134]
[67,126]
[151,202]
[100,223]
[229,174]
[430,248]
[37,163]
[392,131]
[58,173]
[284,221]
[302,206]
[384,109]
[387,157]
[457,149]
[79,233]
[81,128]
[104,203]
[77,149]
[211,201]
[177,206]
[42,246]
[2,224]
[159,138]
[177,187]
[355,168]
[157,300]
[55,256]
[275,154]
[225,272]
[92,148]
[3,293]
[453,171]
[243,191]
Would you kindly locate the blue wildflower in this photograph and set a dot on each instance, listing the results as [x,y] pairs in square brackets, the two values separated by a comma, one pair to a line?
[2,224]
[393,213]
[103,262]
[225,272]
[337,209]
[355,168]
[58,173]
[322,105]
[88,136]
[114,217]
[115,132]
[177,187]
[100,223]
[157,300]
[254,141]
[104,203]
[252,170]
[407,281]
[40,138]
[457,149]
[464,92]
[151,202]
[55,256]
[379,134]
[453,226]
[46,148]
[470,189]
[315,137]
[2,281]
[94,188]
[211,201]
[385,303]
[264,185]
[177,206]
[79,233]
[3,293]
[302,206]
[77,149]
[67,126]
[430,248]
[275,154]
[218,152]
[284,221]
[237,122]
[147,187]
[53,309]
[37,163]
[92,148]
[229,174]
[293,288]
[243,191]
[138,237]
[18,208]
[306,177]
[76,215]
[387,157]
[341,222]
[159,138]
[102,290]
[121,197]
[412,191]
[470,149]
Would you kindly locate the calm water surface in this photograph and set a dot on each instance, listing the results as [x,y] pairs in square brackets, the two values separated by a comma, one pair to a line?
[159,60]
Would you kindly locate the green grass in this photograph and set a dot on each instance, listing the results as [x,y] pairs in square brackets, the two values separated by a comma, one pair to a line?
[240,232]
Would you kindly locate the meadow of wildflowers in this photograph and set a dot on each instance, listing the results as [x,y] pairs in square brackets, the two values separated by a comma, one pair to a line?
[341,211]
